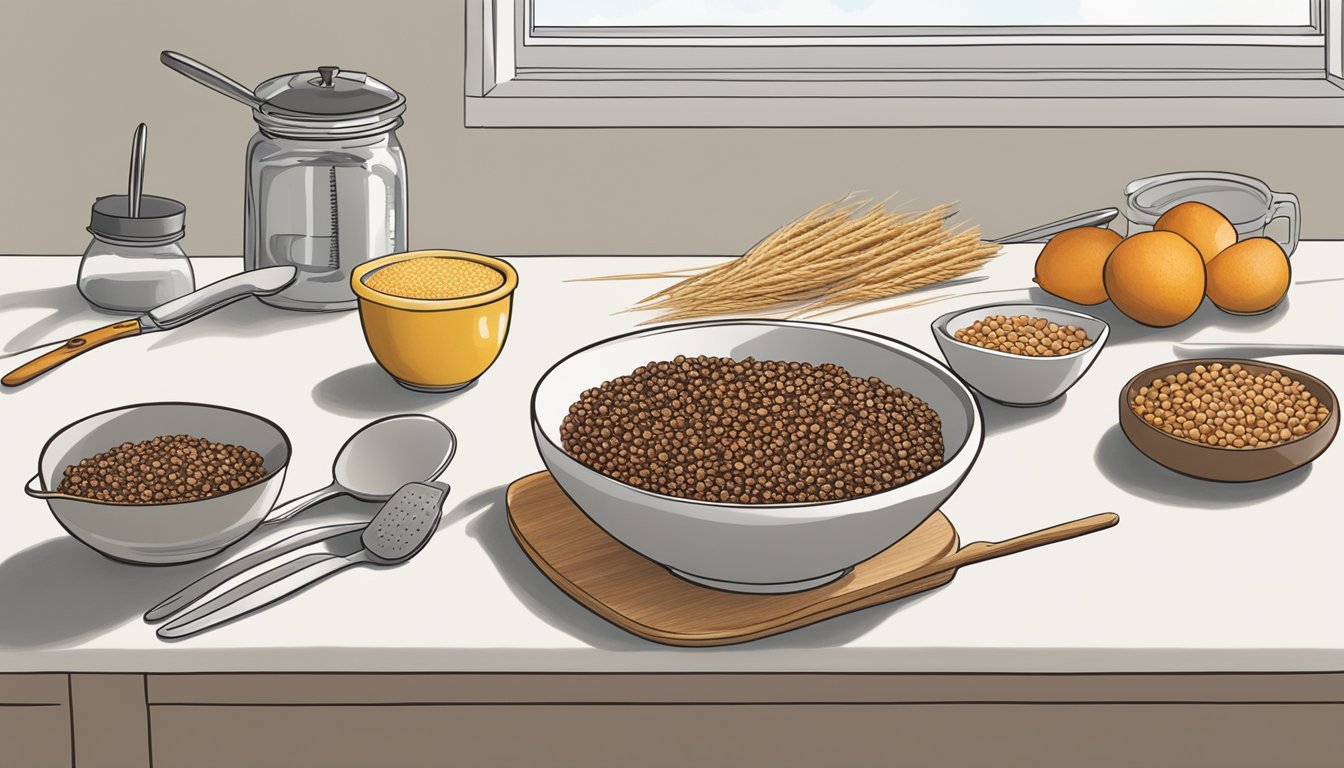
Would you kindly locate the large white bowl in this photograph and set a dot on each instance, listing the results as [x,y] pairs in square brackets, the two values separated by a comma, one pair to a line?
[758,547]
[162,534]
[1018,379]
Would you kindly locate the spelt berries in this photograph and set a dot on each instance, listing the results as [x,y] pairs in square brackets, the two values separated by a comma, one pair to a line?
[165,469]
[1023,335]
[1230,407]
[753,431]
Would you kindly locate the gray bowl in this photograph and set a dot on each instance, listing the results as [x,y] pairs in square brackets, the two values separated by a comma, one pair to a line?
[764,548]
[162,534]
[1017,379]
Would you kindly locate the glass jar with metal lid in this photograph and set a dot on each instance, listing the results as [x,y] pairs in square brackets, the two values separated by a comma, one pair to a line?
[135,262]
[326,182]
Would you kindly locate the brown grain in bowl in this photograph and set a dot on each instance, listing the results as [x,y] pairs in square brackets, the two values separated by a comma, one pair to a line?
[753,431]
[1024,335]
[1230,406]
[163,470]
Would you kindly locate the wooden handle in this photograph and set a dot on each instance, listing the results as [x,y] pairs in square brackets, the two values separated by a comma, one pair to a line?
[72,348]
[988,550]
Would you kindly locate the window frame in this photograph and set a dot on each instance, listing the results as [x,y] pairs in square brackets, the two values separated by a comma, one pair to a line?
[519,76]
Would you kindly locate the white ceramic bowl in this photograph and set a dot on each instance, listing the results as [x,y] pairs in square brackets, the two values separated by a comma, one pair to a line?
[758,547]
[1017,379]
[161,534]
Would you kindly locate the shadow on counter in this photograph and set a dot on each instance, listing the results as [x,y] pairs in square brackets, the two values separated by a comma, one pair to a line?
[60,592]
[70,314]
[368,390]
[1126,468]
[490,527]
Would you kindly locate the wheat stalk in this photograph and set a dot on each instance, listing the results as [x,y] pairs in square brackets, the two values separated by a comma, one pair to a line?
[838,255]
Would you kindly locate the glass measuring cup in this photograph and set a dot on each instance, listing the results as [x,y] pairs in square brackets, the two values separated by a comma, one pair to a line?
[1246,201]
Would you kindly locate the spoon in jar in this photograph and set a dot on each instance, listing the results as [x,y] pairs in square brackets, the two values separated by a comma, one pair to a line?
[210,78]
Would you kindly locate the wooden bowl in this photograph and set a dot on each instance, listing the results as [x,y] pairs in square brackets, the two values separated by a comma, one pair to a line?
[1228,465]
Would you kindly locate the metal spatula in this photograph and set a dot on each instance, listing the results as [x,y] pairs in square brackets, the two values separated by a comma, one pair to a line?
[400,529]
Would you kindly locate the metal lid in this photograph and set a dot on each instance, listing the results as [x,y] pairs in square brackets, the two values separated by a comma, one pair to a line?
[328,101]
[160,218]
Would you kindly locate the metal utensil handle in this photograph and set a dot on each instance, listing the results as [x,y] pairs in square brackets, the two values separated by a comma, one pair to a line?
[261,591]
[295,506]
[137,183]
[210,78]
[207,583]
[1090,219]
[1254,349]
[257,282]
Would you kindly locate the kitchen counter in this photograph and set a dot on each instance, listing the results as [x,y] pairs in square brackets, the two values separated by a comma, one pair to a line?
[1198,576]
[1203,629]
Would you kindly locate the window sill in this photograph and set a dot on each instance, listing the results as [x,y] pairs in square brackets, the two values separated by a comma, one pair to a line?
[635,101]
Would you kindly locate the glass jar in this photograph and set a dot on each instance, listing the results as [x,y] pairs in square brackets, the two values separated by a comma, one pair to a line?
[135,264]
[326,183]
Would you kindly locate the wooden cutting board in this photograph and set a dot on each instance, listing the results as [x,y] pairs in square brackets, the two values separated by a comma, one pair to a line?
[642,597]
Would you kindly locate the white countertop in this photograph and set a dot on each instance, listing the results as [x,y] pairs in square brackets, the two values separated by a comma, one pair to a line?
[1198,576]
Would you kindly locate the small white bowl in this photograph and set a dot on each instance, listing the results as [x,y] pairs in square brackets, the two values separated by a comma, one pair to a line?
[1018,379]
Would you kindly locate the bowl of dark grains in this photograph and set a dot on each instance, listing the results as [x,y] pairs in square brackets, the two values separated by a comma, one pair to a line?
[1020,354]
[162,483]
[755,455]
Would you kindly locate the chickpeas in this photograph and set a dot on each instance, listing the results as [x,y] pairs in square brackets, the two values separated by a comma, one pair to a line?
[435,277]
[753,431]
[1024,335]
[163,470]
[1230,407]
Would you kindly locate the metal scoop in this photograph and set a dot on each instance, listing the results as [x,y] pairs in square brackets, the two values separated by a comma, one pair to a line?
[371,466]
[400,529]
[380,458]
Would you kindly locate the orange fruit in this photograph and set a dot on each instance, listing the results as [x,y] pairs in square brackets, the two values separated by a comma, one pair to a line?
[1156,278]
[1249,277]
[1070,264]
[1205,228]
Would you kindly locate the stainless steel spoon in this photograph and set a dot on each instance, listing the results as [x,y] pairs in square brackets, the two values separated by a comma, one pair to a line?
[372,465]
[1037,234]
[1256,349]
[400,529]
[380,458]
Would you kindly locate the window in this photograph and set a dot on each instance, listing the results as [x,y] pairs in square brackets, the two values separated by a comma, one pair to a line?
[594,14]
[903,63]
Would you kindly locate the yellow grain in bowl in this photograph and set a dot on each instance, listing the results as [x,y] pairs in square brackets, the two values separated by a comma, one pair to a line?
[435,277]
[435,320]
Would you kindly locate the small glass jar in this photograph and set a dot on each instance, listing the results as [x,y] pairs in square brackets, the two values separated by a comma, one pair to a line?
[135,264]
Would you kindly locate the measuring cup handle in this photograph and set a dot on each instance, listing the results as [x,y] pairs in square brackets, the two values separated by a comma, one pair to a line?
[1284,205]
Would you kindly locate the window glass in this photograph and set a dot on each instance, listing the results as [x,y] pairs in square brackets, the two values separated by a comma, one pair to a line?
[628,13]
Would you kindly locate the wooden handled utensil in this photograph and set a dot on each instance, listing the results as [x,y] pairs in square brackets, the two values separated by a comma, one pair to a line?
[980,551]
[75,346]
[179,311]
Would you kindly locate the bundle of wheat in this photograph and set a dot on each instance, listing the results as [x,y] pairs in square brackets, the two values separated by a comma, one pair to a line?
[839,255]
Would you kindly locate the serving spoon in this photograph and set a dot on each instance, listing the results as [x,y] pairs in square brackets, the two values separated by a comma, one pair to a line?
[372,465]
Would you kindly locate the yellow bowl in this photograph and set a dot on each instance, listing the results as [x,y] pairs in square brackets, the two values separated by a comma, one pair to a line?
[435,345]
